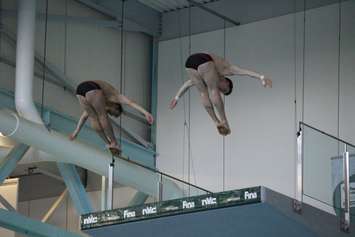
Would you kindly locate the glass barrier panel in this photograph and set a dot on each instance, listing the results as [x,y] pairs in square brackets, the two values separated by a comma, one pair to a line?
[322,169]
[351,150]
[174,189]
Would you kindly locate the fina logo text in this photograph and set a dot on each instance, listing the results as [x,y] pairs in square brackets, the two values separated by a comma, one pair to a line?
[128,214]
[248,196]
[208,201]
[188,205]
[149,210]
[90,220]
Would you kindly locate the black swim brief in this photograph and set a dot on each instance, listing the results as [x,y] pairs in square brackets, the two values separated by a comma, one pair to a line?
[195,60]
[87,86]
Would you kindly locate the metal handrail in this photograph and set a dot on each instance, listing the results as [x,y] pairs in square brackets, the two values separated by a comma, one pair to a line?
[162,173]
[297,203]
[325,133]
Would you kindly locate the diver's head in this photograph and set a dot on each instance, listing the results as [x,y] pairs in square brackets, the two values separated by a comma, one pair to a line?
[225,85]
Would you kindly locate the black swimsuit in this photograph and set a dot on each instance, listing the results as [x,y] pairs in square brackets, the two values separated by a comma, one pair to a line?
[87,86]
[195,60]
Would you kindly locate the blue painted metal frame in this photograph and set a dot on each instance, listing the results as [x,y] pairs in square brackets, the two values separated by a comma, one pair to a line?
[24,225]
[76,189]
[66,124]
[8,164]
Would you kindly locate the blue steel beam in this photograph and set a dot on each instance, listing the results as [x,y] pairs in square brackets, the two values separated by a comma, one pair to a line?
[8,164]
[76,189]
[127,172]
[24,225]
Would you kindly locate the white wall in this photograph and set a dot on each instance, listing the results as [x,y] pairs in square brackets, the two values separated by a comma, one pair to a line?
[261,149]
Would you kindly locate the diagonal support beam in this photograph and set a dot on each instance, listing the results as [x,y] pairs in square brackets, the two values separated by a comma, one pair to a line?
[6,204]
[203,7]
[55,205]
[76,189]
[8,164]
[29,227]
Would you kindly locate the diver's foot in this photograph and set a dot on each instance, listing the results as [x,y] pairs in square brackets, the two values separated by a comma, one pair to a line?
[114,149]
[223,129]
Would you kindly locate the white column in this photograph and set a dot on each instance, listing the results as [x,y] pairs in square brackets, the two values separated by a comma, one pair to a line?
[26,26]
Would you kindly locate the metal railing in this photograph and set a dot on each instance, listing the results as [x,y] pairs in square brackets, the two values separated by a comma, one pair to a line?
[191,189]
[318,179]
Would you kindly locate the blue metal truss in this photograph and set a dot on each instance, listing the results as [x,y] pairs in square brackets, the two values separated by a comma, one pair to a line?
[76,189]
[24,225]
[8,164]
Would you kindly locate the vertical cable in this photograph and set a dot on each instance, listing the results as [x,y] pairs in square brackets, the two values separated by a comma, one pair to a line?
[339,64]
[295,62]
[183,98]
[189,110]
[65,73]
[224,99]
[122,64]
[44,59]
[1,27]
[121,79]
[304,56]
[65,39]
[295,81]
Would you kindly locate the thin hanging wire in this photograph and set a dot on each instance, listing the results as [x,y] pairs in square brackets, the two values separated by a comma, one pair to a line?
[1,26]
[295,75]
[189,111]
[122,63]
[65,40]
[224,99]
[295,61]
[339,69]
[184,100]
[304,56]
[65,73]
[44,59]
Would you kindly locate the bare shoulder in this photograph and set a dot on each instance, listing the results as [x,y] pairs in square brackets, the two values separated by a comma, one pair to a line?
[109,90]
[215,57]
[221,63]
[103,84]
